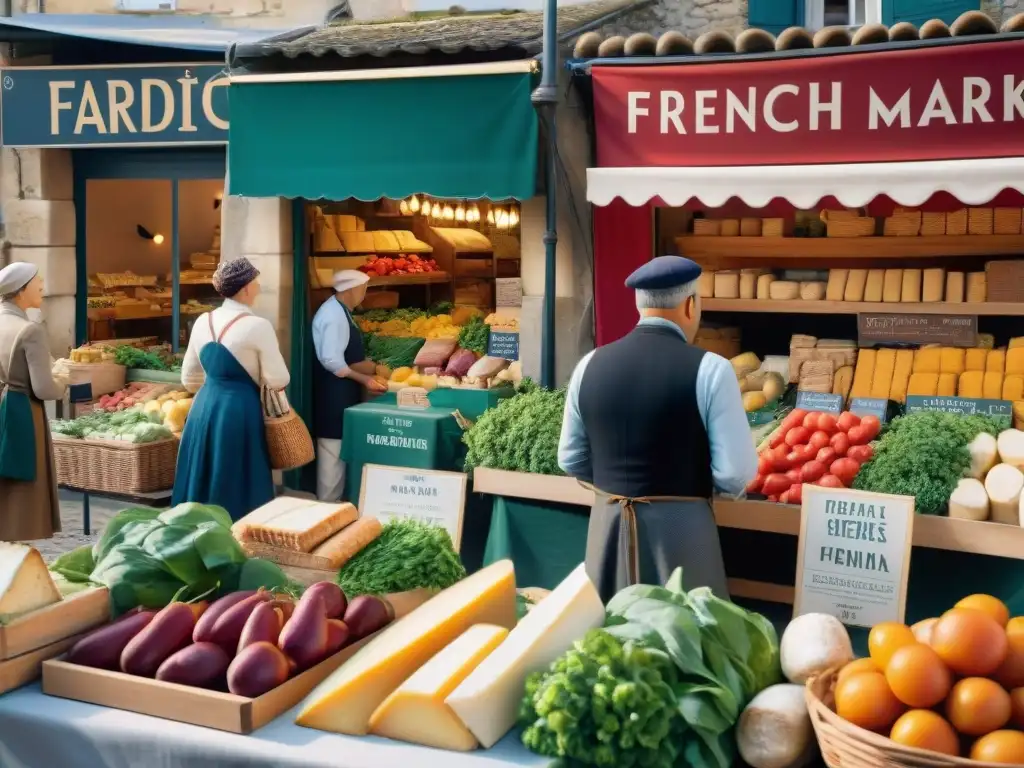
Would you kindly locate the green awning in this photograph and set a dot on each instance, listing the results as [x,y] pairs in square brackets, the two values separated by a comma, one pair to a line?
[465,131]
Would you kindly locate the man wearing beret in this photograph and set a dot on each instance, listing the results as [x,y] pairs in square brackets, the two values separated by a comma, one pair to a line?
[656,426]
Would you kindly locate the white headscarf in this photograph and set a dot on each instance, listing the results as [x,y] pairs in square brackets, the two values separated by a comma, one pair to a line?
[16,276]
[349,278]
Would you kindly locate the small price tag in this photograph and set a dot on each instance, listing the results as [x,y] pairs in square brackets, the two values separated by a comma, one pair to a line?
[819,401]
[870,406]
[413,397]
[1001,410]
[503,344]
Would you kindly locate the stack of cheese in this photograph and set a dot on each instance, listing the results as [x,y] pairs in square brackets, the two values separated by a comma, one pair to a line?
[992,490]
[451,674]
[908,286]
[25,582]
[822,365]
[305,534]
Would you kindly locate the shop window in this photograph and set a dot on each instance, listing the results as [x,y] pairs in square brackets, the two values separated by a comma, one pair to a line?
[919,11]
[841,13]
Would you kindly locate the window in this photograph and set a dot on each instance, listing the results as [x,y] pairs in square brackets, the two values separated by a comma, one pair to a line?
[842,13]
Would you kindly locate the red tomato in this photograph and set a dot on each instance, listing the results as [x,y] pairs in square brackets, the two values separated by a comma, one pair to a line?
[811,471]
[793,419]
[794,459]
[827,423]
[819,440]
[840,443]
[845,469]
[784,498]
[793,475]
[804,453]
[796,493]
[765,463]
[858,435]
[780,460]
[873,425]
[798,436]
[811,420]
[756,483]
[826,455]
[779,437]
[860,453]
[830,481]
[847,420]
[775,484]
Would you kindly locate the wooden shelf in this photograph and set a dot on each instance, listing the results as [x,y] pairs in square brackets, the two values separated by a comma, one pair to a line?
[991,539]
[800,307]
[700,247]
[424,278]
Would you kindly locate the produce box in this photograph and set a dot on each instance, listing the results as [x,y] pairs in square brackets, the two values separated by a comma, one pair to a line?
[24,669]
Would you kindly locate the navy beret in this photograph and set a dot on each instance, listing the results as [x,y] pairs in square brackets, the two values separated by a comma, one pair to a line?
[663,272]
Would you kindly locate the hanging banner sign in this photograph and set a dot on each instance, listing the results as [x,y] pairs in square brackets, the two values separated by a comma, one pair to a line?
[149,105]
[948,102]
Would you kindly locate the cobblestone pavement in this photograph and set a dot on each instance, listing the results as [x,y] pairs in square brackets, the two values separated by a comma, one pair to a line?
[72,535]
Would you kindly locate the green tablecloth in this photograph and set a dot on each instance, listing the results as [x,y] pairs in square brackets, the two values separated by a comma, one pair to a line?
[379,433]
[471,403]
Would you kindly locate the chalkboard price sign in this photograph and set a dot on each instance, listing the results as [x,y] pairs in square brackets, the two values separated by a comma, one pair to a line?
[870,406]
[1001,410]
[819,401]
[949,330]
[503,344]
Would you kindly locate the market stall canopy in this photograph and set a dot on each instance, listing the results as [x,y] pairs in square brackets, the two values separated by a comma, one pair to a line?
[467,131]
[973,182]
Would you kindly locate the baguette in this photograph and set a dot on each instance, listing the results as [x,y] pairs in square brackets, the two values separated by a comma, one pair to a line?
[349,542]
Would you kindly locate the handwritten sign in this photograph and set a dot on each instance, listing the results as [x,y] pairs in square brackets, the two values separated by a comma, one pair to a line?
[430,496]
[819,401]
[853,555]
[870,406]
[508,292]
[503,344]
[413,397]
[1001,410]
[950,330]
[129,105]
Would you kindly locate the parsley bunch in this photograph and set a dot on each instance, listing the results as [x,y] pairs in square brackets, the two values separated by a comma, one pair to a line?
[519,434]
[474,336]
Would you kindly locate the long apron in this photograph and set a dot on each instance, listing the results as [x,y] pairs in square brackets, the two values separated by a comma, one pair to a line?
[223,457]
[29,507]
[625,547]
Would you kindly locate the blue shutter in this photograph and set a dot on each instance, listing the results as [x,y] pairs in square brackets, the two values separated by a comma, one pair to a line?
[775,15]
[919,11]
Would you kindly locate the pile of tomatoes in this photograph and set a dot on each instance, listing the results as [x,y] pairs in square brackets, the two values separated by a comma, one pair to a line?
[408,264]
[814,448]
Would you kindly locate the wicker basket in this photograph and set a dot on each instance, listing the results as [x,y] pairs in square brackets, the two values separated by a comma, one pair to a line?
[730,228]
[288,442]
[844,745]
[956,222]
[933,223]
[772,227]
[979,221]
[1004,280]
[707,227]
[1006,221]
[115,467]
[860,226]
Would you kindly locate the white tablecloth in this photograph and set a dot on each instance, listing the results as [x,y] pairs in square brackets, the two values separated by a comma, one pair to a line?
[38,731]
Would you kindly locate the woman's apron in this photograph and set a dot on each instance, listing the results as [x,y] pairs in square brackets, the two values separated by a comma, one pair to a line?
[626,548]
[17,435]
[223,457]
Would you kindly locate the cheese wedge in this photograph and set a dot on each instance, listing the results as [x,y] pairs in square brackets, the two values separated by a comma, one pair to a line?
[416,711]
[487,702]
[344,702]
[25,582]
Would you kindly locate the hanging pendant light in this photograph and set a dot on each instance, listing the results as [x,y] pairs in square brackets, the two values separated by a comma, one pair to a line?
[513,217]
[435,212]
[460,213]
[490,216]
[403,208]
[473,214]
[414,204]
[449,213]
[502,219]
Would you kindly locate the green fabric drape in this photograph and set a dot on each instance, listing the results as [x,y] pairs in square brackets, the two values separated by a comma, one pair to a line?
[17,437]
[300,390]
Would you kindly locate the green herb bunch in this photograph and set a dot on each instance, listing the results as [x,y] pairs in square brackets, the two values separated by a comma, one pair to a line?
[923,455]
[407,555]
[132,357]
[605,703]
[392,351]
[383,315]
[519,434]
[474,336]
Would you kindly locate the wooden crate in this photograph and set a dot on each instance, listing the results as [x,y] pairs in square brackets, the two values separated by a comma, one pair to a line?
[71,616]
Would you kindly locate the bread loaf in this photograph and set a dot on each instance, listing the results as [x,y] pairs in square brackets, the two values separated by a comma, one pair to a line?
[873,285]
[933,284]
[892,285]
[955,287]
[349,542]
[764,283]
[855,283]
[295,524]
[911,286]
[836,284]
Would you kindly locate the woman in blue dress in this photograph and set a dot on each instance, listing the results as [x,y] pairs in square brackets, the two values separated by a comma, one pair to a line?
[231,354]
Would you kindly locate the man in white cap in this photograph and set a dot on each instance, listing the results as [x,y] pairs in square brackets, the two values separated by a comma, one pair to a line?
[339,375]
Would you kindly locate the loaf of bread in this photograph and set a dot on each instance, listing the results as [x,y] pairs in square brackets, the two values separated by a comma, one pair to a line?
[350,541]
[295,524]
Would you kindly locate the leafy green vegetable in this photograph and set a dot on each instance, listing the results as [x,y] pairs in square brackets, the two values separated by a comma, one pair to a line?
[392,351]
[407,555]
[383,315]
[923,455]
[440,308]
[605,703]
[474,335]
[132,425]
[132,357]
[519,434]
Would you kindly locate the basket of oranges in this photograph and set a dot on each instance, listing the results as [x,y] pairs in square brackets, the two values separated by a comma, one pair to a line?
[945,692]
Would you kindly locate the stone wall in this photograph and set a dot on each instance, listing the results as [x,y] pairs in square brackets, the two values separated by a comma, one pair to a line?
[691,17]
[268,13]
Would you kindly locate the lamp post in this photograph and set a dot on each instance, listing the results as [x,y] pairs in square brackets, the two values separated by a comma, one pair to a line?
[545,100]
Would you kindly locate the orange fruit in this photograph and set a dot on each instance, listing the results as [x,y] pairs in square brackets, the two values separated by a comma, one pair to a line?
[1017,707]
[923,630]
[994,607]
[1005,747]
[865,699]
[885,639]
[918,677]
[923,729]
[855,667]
[977,706]
[1015,626]
[972,643]
[1011,672]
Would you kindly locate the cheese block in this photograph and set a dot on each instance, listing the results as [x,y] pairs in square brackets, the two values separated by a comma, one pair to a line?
[25,582]
[842,382]
[901,375]
[764,283]
[812,291]
[971,384]
[416,711]
[727,284]
[992,385]
[976,290]
[995,360]
[927,360]
[910,292]
[976,359]
[487,702]
[892,285]
[296,524]
[855,283]
[881,380]
[345,701]
[783,290]
[748,284]
[933,284]
[836,284]
[863,374]
[955,287]
[1016,341]
[873,285]
[706,284]
[1013,387]
[923,384]
[946,386]
[952,360]
[1015,359]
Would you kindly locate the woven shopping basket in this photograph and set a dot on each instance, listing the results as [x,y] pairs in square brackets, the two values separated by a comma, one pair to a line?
[844,745]
[288,440]
[108,466]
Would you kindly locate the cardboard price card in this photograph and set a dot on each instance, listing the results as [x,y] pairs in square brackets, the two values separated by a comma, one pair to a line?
[854,555]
